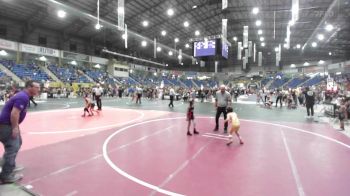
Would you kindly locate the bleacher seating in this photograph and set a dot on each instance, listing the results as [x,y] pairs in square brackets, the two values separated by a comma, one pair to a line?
[277,83]
[26,71]
[313,81]
[188,83]
[295,82]
[67,74]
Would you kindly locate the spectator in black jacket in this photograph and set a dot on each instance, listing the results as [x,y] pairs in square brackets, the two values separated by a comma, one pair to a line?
[309,101]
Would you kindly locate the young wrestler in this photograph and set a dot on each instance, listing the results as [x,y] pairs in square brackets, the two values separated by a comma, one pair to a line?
[235,125]
[190,118]
[89,106]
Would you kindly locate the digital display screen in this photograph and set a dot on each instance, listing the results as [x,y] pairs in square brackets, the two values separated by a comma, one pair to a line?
[204,48]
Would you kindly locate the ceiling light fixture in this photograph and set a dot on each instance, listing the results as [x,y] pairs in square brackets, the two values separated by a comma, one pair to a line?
[170,53]
[262,39]
[235,39]
[145,23]
[314,44]
[170,12]
[186,24]
[176,40]
[163,33]
[197,33]
[260,32]
[61,13]
[255,10]
[143,43]
[258,23]
[329,27]
[298,46]
[320,37]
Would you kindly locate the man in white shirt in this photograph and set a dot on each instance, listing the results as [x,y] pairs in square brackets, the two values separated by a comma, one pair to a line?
[222,101]
[138,94]
[98,95]
[171,94]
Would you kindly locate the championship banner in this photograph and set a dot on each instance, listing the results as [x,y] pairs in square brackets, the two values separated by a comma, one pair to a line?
[245,36]
[121,14]
[254,55]
[250,47]
[224,28]
[260,59]
[126,36]
[224,4]
[239,51]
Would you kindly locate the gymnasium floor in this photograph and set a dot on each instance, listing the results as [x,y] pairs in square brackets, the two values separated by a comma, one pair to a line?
[144,150]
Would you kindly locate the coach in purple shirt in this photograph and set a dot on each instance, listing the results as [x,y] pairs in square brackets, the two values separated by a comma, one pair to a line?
[11,116]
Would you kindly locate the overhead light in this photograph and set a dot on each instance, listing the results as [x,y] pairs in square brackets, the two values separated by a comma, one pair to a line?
[98,26]
[145,23]
[329,27]
[321,62]
[143,43]
[155,73]
[163,33]
[3,53]
[276,49]
[197,33]
[61,13]
[98,66]
[262,39]
[186,24]
[263,44]
[187,45]
[42,58]
[194,7]
[182,63]
[320,37]
[285,45]
[330,53]
[73,63]
[131,71]
[255,10]
[298,46]
[170,12]
[205,39]
[176,40]
[258,23]
[338,73]
[124,36]
[314,44]
[159,49]
[292,65]
[260,32]
[235,39]
[179,57]
[166,65]
[306,64]
[170,53]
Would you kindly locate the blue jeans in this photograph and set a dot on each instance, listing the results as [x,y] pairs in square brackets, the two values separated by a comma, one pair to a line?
[12,146]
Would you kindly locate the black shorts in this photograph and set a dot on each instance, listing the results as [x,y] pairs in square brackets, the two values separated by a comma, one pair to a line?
[92,105]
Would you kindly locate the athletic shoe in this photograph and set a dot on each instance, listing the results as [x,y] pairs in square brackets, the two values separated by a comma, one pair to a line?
[18,168]
[229,143]
[195,131]
[241,142]
[216,129]
[189,134]
[12,178]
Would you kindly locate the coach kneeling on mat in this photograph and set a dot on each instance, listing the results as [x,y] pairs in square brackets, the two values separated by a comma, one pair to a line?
[11,116]
[222,100]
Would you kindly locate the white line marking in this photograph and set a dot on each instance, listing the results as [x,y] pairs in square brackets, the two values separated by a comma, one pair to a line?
[293,166]
[182,166]
[218,135]
[141,116]
[83,162]
[220,138]
[72,193]
[166,192]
